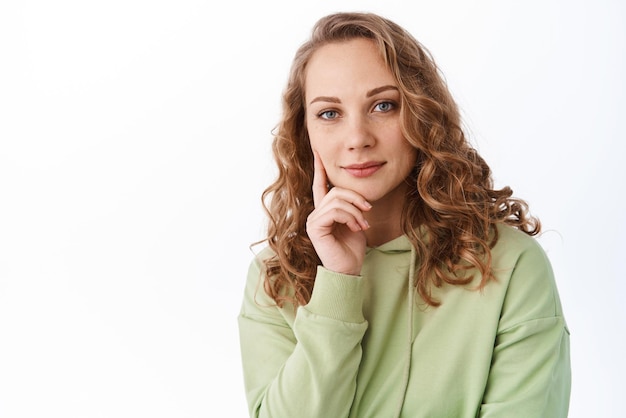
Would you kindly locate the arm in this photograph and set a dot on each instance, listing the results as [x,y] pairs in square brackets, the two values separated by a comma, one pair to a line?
[308,368]
[307,365]
[530,371]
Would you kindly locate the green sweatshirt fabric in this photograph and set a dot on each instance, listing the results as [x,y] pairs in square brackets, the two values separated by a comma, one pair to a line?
[368,346]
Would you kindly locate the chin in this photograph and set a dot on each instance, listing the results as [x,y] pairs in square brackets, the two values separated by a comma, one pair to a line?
[370,195]
[392,194]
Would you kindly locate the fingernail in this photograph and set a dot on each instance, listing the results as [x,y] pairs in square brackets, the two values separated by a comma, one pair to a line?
[367,204]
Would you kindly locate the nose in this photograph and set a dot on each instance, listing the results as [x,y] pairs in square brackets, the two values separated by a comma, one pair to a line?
[359,133]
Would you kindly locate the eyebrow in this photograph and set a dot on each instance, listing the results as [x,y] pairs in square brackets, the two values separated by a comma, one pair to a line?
[377,90]
[370,93]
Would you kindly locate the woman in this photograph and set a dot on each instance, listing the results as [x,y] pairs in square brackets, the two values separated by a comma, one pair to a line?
[397,282]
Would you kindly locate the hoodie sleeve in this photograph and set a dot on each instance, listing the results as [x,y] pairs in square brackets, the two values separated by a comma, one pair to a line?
[530,369]
[304,366]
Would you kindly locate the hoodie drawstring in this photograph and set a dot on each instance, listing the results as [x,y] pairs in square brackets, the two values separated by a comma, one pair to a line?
[409,342]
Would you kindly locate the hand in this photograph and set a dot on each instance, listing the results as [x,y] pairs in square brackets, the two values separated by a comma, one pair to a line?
[336,225]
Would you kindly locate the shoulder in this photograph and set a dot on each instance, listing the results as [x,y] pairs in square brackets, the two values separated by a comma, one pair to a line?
[255,295]
[518,253]
[522,266]
[260,257]
[513,244]
[256,300]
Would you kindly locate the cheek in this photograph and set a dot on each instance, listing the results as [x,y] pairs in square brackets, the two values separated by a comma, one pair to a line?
[410,157]
[315,146]
[321,140]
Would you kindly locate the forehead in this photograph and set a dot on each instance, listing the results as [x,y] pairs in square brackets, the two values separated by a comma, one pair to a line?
[352,65]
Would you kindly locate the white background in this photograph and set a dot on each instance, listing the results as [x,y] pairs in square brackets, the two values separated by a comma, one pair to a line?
[135,144]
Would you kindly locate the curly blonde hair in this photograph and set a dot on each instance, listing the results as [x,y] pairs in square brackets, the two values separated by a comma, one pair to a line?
[450,214]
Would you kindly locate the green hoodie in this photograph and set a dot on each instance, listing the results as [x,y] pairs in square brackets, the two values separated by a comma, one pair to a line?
[368,346]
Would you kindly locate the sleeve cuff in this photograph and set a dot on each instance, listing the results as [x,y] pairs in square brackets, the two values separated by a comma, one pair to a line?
[338,296]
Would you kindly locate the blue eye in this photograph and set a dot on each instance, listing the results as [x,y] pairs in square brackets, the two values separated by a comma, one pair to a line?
[384,107]
[328,114]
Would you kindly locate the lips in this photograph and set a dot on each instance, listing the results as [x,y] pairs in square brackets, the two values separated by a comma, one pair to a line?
[364,169]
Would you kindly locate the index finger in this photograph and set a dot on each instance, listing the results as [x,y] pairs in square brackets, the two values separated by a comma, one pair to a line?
[320,181]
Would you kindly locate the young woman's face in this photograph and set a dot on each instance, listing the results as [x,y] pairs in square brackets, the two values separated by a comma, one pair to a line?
[353,120]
